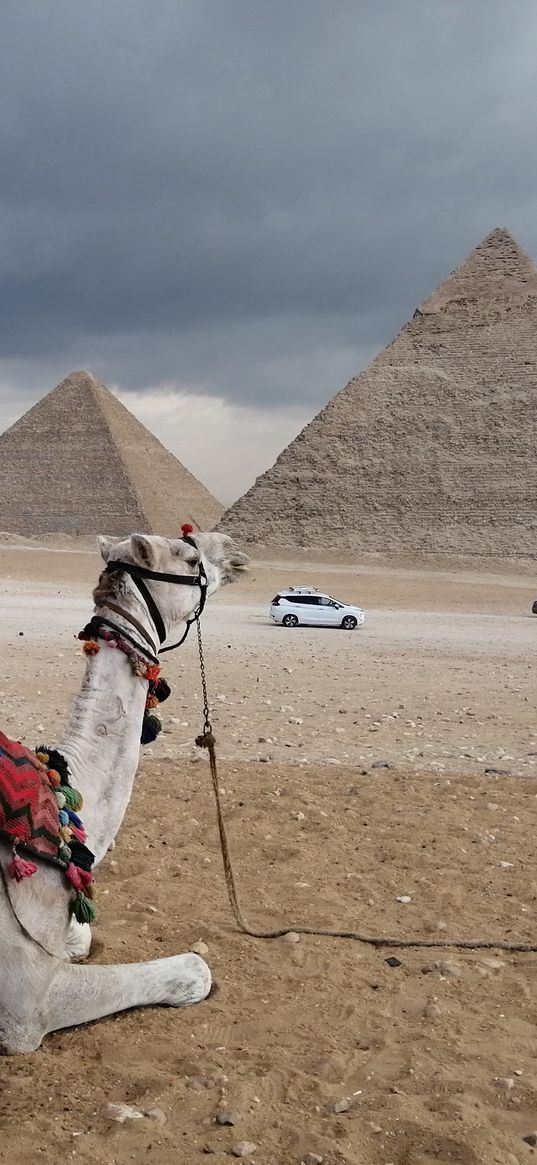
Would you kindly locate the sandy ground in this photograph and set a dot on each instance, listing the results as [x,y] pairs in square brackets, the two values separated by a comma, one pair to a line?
[438,685]
[439,677]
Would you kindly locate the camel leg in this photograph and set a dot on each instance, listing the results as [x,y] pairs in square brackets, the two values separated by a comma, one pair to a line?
[80,994]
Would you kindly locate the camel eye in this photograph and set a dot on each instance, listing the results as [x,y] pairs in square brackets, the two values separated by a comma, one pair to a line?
[192,561]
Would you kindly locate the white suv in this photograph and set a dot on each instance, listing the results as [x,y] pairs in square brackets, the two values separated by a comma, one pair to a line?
[311,607]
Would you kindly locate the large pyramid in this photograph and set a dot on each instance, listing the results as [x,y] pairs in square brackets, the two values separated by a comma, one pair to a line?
[434,447]
[79,462]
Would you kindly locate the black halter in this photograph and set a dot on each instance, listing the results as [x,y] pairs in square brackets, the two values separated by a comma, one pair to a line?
[139,573]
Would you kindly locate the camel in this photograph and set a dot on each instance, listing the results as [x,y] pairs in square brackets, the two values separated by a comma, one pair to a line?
[42,988]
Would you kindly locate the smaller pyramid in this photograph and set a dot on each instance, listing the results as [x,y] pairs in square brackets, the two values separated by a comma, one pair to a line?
[79,462]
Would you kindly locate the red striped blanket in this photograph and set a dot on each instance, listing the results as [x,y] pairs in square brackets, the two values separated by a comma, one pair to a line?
[28,806]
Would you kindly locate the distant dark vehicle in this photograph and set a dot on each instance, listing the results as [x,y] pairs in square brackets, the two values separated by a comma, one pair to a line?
[534,608]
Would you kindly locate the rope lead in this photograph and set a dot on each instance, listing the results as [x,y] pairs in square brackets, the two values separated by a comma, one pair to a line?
[207,740]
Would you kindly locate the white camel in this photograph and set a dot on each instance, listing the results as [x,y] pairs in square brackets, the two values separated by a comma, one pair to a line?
[41,989]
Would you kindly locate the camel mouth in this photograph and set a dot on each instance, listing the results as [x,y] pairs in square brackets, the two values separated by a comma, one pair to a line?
[236,566]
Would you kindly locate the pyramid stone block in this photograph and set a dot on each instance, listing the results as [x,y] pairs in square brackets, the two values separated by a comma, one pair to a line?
[78,462]
[433,448]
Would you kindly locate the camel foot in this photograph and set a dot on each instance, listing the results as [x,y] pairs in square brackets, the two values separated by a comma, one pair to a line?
[78,940]
[20,1041]
[192,984]
[82,993]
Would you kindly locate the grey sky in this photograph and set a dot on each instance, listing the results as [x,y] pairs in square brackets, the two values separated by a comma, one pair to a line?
[247,199]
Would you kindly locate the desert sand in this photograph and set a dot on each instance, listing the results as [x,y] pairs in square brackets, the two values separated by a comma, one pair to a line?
[434,1059]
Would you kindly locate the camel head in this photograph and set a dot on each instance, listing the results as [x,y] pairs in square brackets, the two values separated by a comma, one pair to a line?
[220,557]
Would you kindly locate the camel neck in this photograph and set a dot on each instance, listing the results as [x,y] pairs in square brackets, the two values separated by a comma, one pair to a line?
[102,744]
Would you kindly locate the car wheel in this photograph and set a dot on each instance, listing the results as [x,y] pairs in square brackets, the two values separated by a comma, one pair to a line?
[290,621]
[349,623]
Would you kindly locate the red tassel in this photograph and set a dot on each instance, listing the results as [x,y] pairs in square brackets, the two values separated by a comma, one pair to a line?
[187,528]
[19,868]
[78,879]
[80,834]
[72,874]
[91,647]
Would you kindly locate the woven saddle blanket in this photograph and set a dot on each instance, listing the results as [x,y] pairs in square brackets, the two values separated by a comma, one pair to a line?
[28,806]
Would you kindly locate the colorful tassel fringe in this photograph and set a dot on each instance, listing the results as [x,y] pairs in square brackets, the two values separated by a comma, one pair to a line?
[71,835]
[158,692]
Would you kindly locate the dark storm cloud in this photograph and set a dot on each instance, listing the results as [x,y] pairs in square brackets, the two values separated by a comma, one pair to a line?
[217,190]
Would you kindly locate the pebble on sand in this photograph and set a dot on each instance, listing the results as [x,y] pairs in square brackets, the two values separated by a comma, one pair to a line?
[432,1010]
[342,1106]
[505,1082]
[491,963]
[244,1149]
[200,948]
[157,1115]
[121,1113]
[227,1118]
[447,967]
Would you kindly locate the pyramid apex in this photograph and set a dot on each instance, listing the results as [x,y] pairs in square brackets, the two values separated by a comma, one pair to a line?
[500,240]
[495,276]
[79,378]
[499,235]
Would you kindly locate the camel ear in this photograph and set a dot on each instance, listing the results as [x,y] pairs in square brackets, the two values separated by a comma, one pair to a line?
[105,545]
[143,550]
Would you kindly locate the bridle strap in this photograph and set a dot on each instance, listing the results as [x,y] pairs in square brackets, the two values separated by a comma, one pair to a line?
[203,598]
[150,604]
[130,619]
[139,573]
[97,621]
[196,615]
